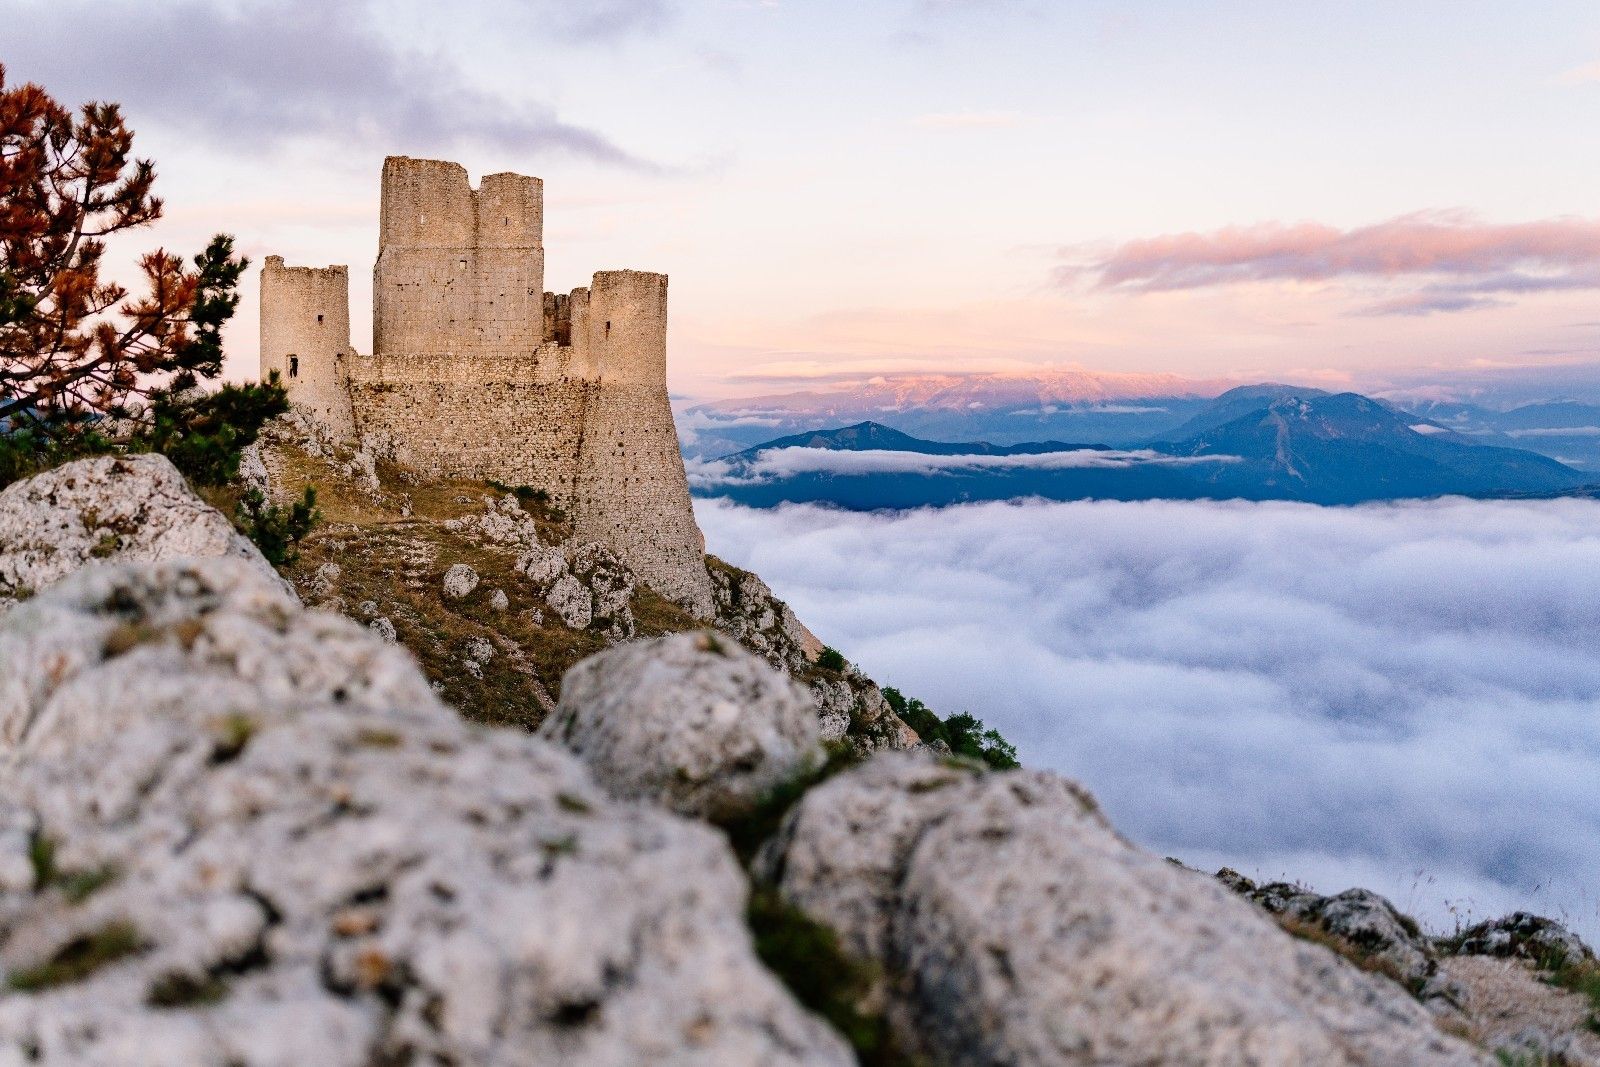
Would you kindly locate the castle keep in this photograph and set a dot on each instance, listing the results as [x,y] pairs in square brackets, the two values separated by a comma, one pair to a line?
[477,372]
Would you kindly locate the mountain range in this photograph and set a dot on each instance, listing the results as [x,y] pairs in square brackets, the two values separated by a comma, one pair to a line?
[1013,407]
[1267,442]
[1118,410]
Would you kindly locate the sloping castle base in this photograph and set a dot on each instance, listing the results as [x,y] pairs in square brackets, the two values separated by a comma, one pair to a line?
[477,372]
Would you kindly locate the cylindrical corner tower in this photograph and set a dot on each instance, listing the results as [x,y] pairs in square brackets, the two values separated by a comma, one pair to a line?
[632,493]
[305,338]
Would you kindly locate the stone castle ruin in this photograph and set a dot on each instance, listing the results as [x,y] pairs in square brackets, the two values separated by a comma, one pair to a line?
[477,372]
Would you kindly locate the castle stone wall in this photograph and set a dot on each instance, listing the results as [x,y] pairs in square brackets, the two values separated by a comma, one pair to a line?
[512,418]
[305,338]
[479,373]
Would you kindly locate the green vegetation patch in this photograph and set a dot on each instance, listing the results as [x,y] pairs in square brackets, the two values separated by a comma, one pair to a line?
[965,734]
[808,958]
[1580,976]
[79,958]
[275,529]
[186,991]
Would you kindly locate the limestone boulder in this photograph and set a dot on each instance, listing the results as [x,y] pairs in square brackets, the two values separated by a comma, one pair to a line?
[691,721]
[166,636]
[125,508]
[584,585]
[1367,922]
[611,586]
[459,581]
[570,601]
[842,853]
[233,832]
[1018,928]
[1523,936]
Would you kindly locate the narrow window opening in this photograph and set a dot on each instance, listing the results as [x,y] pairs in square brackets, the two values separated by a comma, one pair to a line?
[294,366]
[608,327]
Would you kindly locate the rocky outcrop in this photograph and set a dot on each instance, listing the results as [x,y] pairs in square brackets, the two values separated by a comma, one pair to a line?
[107,508]
[1019,928]
[1509,1007]
[765,625]
[1365,921]
[582,584]
[691,721]
[850,707]
[233,832]
[1522,936]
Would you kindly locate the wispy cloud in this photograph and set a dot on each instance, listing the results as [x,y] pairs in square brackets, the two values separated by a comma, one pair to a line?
[1584,75]
[969,120]
[263,72]
[603,20]
[1457,261]
[1345,695]
[776,464]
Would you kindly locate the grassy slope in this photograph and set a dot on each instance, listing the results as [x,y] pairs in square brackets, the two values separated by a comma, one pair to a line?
[396,562]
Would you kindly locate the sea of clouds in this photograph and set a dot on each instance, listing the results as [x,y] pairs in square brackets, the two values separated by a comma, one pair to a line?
[1404,697]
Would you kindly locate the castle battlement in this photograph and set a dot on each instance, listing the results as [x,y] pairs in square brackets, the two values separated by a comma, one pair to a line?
[477,372]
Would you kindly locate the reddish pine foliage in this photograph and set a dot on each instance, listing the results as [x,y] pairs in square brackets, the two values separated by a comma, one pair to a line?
[73,345]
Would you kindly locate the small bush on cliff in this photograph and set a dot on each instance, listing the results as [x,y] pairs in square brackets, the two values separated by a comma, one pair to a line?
[87,367]
[276,530]
[965,734]
[831,659]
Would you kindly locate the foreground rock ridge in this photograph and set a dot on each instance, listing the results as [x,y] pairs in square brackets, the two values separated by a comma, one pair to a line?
[241,832]
[127,507]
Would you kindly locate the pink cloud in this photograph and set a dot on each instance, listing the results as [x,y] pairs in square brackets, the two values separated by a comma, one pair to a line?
[1467,259]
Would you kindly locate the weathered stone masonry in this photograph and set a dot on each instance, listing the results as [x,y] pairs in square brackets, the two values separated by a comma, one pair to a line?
[477,372]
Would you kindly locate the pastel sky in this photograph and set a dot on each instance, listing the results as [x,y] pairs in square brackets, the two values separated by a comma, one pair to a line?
[1350,193]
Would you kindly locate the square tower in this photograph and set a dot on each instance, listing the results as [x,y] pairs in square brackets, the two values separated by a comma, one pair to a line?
[460,270]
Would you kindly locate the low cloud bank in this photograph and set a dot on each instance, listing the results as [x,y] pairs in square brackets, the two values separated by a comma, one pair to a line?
[775,464]
[1405,697]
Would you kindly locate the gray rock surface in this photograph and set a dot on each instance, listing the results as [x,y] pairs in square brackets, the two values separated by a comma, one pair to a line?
[108,508]
[691,721]
[747,608]
[1022,930]
[237,834]
[459,581]
[1509,1008]
[848,704]
[1366,921]
[1524,936]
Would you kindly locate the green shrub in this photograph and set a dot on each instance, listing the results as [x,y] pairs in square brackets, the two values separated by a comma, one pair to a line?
[830,659]
[277,530]
[965,734]
[204,435]
[808,958]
